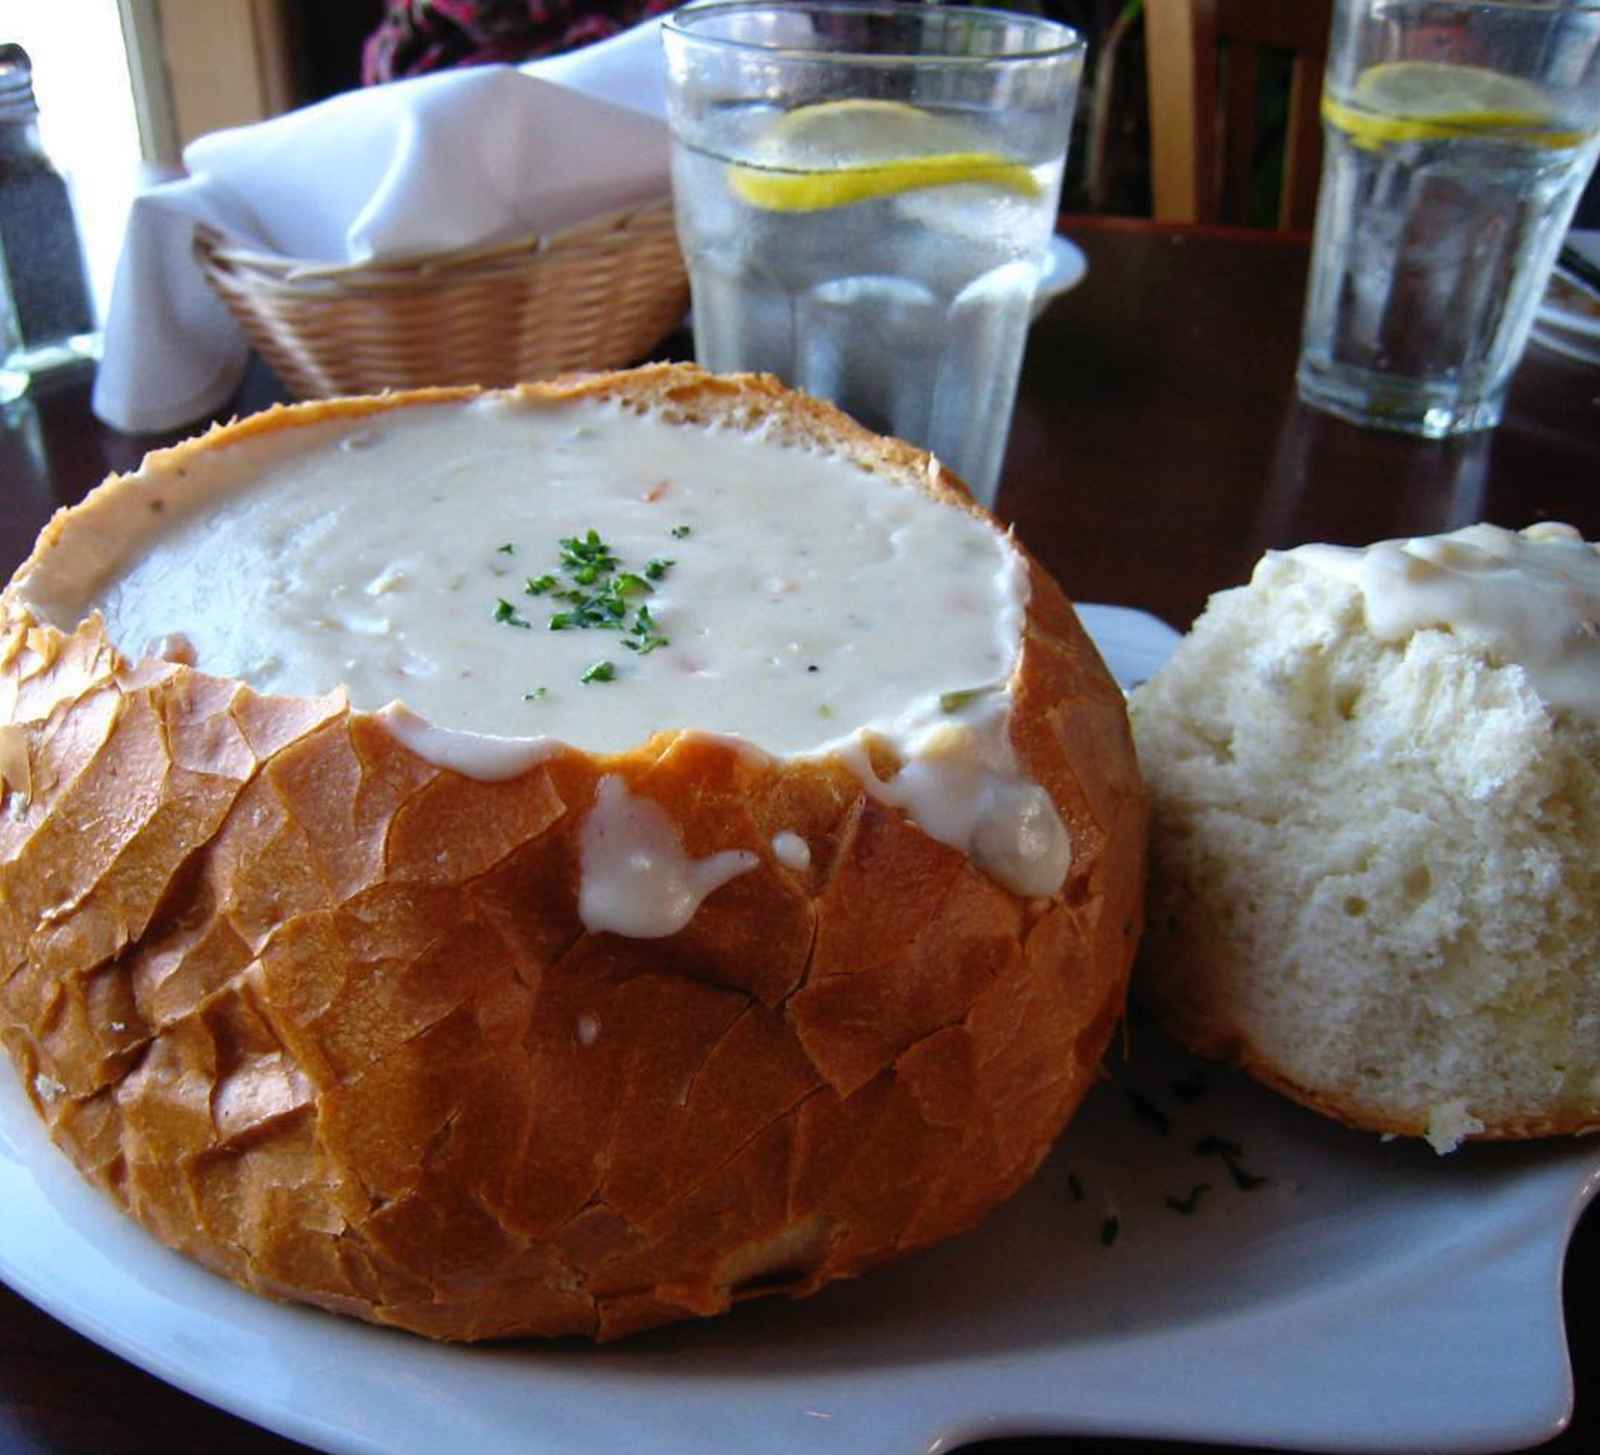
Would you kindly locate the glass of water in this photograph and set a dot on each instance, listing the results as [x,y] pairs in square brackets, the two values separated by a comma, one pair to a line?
[1459,134]
[866,194]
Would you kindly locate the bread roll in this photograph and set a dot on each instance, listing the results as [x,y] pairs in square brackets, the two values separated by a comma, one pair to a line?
[1375,838]
[577,1028]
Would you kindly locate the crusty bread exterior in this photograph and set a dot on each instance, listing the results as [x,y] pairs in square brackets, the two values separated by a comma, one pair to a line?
[323,1015]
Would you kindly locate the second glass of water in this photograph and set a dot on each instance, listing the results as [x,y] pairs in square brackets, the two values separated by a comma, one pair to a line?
[1460,134]
[866,194]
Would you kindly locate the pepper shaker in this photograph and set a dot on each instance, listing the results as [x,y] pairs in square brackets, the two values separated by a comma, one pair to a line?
[47,320]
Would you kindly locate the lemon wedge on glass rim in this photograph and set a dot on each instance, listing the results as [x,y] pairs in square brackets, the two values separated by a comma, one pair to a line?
[836,153]
[1401,101]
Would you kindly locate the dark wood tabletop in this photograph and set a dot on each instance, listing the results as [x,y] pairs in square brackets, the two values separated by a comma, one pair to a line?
[1157,451]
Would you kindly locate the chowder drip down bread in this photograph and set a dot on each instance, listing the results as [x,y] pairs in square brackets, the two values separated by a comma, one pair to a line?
[555,861]
[1375,780]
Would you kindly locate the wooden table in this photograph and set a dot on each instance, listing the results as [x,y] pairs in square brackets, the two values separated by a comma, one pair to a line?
[1158,449]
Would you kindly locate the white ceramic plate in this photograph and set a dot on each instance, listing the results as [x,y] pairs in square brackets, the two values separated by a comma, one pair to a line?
[1064,269]
[1366,1296]
[1571,304]
[1569,345]
[1568,320]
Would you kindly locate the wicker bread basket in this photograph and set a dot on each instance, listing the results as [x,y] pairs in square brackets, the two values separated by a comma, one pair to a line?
[597,295]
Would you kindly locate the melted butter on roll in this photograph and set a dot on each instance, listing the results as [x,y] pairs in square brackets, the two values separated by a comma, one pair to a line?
[793,600]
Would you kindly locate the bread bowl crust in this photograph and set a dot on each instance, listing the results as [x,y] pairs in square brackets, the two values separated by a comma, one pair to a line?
[322,1015]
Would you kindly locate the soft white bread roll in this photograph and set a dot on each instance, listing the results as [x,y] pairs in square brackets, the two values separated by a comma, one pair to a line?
[313,990]
[1375,781]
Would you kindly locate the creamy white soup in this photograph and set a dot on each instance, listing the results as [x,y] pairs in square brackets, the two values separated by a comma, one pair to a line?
[497,576]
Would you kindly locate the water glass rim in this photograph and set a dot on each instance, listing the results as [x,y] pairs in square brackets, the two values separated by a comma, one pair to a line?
[1066,39]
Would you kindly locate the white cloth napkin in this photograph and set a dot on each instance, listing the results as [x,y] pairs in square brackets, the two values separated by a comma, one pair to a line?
[480,155]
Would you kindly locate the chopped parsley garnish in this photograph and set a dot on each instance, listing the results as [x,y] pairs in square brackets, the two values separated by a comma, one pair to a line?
[679,532]
[537,695]
[1109,1230]
[1230,1153]
[1147,1111]
[595,592]
[643,637]
[955,701]
[506,612]
[586,557]
[1187,1205]
[508,549]
[1074,1187]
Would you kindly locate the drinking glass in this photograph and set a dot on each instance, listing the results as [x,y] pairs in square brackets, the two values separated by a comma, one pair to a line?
[1459,136]
[865,195]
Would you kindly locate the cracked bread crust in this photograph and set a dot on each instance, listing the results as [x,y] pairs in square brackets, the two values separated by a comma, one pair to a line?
[323,1016]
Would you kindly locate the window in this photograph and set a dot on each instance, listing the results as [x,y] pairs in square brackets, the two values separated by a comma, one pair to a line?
[123,85]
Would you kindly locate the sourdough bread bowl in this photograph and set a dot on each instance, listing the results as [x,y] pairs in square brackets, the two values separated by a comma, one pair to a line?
[722,979]
[1375,780]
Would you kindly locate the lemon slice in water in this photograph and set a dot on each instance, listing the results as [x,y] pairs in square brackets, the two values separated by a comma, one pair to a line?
[1401,101]
[839,152]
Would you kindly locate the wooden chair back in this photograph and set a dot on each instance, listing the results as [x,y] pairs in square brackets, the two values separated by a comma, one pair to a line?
[1204,59]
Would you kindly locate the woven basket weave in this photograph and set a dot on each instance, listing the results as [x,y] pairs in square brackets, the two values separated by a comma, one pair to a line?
[598,295]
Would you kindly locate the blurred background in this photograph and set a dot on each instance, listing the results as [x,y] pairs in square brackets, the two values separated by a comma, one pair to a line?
[123,85]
